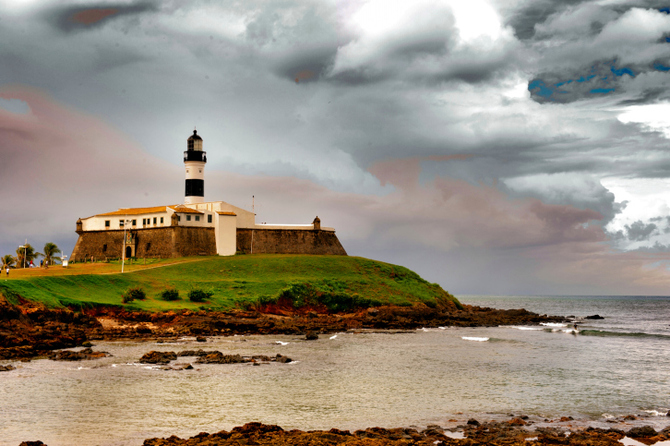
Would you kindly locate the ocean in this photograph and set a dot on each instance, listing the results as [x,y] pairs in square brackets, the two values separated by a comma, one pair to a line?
[609,368]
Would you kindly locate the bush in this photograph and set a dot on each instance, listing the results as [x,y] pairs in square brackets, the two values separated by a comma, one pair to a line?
[332,294]
[132,294]
[170,294]
[199,295]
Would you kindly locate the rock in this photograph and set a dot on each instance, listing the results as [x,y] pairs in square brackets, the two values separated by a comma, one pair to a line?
[85,354]
[642,431]
[154,357]
[564,419]
[201,339]
[311,336]
[595,316]
[199,352]
[516,422]
[473,422]
[7,368]
[32,443]
[220,358]
[282,359]
[86,344]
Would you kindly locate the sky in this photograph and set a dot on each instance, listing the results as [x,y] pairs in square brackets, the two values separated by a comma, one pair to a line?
[495,147]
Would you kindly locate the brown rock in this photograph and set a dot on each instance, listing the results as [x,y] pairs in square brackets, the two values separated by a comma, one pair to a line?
[154,357]
[85,354]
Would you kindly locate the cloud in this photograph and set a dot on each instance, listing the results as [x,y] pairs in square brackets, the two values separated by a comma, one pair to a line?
[616,52]
[420,42]
[638,231]
[77,18]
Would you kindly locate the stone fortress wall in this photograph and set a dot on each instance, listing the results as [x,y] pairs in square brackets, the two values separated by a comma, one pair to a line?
[166,242]
[179,241]
[288,241]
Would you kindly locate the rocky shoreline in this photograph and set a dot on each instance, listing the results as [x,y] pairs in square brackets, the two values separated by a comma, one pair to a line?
[517,431]
[29,330]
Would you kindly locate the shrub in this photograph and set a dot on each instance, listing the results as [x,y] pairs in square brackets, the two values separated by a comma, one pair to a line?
[132,294]
[170,294]
[332,294]
[199,295]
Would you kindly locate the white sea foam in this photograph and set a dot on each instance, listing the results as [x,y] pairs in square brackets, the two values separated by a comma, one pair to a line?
[474,338]
[281,343]
[553,324]
[657,413]
[333,337]
[521,327]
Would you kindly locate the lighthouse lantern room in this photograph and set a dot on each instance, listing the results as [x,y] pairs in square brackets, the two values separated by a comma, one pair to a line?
[194,163]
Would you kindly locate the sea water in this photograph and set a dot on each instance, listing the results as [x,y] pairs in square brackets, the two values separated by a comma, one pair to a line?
[610,367]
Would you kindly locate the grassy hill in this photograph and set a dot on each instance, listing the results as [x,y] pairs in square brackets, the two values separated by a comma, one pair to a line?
[338,282]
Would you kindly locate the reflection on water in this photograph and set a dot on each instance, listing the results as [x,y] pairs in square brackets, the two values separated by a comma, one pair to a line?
[350,381]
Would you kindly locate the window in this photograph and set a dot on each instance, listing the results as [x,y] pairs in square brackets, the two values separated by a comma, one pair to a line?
[148,247]
[134,222]
[197,218]
[154,220]
[178,217]
[161,220]
[104,248]
[209,218]
[188,218]
[144,221]
[121,223]
[106,223]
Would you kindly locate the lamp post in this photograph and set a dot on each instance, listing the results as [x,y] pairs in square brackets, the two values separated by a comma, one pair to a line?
[123,245]
[25,253]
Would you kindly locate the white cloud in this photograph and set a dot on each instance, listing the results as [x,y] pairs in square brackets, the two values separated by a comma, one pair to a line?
[652,117]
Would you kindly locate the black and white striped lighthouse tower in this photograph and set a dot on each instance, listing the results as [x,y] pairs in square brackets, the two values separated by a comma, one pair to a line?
[194,162]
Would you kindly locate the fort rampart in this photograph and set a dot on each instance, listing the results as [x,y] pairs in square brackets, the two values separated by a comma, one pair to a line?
[288,241]
[171,241]
[180,241]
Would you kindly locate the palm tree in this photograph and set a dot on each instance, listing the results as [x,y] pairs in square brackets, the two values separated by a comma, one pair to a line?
[7,261]
[50,251]
[25,254]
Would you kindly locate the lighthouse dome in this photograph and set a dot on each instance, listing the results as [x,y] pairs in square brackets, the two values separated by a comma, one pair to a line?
[194,141]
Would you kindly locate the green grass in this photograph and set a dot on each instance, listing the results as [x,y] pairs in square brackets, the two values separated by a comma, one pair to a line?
[338,282]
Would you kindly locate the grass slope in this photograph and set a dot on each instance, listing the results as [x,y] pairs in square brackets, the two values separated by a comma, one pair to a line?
[338,282]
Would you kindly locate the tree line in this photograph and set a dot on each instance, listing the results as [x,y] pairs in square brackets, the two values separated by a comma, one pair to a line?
[27,254]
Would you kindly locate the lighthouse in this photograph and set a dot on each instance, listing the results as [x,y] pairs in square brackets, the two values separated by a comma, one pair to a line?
[194,162]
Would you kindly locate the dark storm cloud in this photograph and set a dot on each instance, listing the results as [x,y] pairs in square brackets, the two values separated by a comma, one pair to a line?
[647,96]
[524,20]
[639,231]
[601,78]
[655,248]
[75,18]
[305,65]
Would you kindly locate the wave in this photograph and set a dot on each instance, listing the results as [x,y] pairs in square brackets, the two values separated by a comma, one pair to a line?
[522,327]
[474,338]
[553,324]
[622,334]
